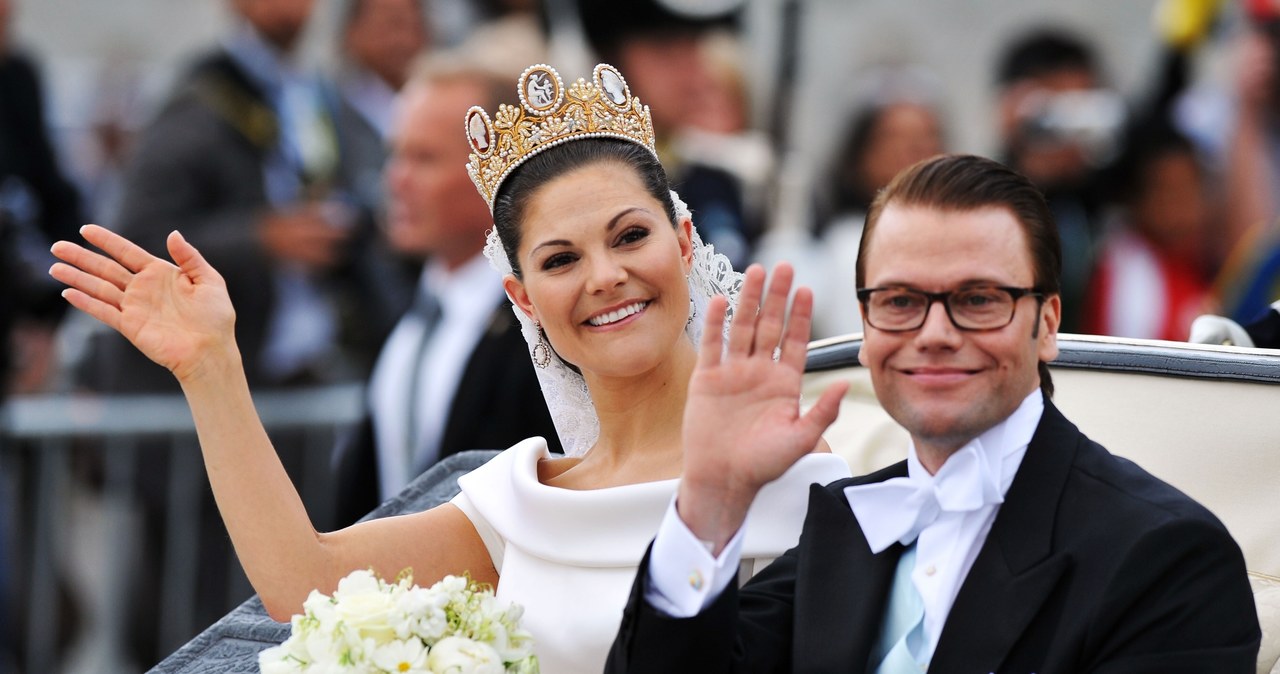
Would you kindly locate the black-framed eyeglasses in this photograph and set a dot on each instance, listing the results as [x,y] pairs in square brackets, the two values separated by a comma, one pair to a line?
[980,307]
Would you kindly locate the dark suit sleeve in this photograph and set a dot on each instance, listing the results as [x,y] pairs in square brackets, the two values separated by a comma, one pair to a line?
[27,159]
[1180,602]
[1265,331]
[747,630]
[31,153]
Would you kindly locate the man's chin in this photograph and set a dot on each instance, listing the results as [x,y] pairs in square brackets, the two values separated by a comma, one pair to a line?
[939,425]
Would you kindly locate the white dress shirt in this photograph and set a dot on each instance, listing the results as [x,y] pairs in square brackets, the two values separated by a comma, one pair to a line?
[468,296]
[946,548]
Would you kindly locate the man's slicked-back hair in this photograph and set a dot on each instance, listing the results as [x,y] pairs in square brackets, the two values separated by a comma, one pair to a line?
[961,182]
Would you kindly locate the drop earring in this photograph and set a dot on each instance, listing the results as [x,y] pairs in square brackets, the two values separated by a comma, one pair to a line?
[693,306]
[542,350]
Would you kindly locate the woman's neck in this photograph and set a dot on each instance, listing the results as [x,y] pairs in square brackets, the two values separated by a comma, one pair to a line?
[640,423]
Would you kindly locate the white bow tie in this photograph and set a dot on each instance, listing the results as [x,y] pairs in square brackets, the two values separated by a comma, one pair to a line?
[900,508]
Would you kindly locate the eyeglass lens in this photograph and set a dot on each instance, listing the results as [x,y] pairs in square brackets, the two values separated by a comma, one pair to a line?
[974,308]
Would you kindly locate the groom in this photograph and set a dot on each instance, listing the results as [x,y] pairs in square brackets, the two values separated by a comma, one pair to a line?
[1007,542]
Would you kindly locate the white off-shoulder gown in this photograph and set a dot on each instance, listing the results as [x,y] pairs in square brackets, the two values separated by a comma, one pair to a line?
[570,556]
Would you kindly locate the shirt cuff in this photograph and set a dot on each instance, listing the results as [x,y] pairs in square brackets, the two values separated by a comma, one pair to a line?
[683,578]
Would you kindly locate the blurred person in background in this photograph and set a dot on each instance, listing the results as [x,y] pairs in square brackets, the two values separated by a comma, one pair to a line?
[1066,129]
[661,50]
[897,123]
[1151,280]
[380,39]
[719,132]
[457,357]
[454,22]
[119,109]
[38,206]
[1059,126]
[1249,281]
[1159,249]
[245,157]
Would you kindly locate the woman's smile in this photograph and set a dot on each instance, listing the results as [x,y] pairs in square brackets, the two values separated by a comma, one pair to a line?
[616,316]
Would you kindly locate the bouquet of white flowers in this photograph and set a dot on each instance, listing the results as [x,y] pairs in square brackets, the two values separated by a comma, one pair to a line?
[372,626]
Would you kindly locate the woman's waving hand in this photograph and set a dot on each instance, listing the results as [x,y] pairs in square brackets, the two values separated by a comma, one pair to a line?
[178,315]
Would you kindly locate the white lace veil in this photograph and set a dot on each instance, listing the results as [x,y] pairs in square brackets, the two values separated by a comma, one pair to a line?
[566,392]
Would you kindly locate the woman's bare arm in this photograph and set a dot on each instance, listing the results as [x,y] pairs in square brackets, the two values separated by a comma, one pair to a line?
[181,317]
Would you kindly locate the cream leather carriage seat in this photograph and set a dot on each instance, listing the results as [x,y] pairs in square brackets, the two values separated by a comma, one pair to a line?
[1206,419]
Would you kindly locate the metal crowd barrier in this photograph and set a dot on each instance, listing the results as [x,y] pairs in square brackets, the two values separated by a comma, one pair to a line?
[45,442]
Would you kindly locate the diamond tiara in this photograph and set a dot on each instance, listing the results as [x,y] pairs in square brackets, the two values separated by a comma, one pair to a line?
[549,115]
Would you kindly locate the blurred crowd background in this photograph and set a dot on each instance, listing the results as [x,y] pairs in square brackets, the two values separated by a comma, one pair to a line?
[310,150]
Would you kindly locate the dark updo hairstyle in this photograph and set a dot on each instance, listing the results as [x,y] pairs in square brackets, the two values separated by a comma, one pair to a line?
[513,197]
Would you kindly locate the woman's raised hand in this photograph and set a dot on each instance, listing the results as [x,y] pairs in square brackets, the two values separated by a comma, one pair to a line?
[179,316]
[742,423]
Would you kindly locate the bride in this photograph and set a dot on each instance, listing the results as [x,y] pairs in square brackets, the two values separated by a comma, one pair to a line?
[613,287]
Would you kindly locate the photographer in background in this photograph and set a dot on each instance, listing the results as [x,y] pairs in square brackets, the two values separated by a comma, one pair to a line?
[1060,126]
[1063,127]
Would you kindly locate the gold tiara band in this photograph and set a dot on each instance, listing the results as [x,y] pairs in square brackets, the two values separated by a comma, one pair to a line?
[550,115]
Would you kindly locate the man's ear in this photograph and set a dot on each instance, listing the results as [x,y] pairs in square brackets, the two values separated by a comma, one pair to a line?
[1049,320]
[862,352]
[516,291]
[684,235]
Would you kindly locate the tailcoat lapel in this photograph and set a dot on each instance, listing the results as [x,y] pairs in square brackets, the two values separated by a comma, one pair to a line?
[1016,570]
[838,613]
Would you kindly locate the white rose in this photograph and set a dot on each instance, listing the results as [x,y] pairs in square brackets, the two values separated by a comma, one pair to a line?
[367,612]
[459,655]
